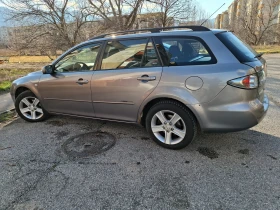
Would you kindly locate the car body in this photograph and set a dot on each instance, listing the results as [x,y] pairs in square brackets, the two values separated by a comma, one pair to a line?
[202,71]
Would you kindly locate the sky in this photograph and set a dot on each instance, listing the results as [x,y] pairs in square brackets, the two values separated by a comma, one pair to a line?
[211,6]
[208,5]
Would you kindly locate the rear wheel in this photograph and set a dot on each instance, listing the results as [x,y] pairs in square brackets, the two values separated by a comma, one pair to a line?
[29,107]
[171,125]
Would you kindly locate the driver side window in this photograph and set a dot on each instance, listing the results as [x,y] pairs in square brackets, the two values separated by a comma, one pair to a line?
[81,59]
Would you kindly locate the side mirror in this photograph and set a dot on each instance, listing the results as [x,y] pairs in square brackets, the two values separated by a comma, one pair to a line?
[48,69]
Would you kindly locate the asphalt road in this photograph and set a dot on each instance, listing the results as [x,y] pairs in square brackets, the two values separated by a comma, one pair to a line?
[38,168]
[273,80]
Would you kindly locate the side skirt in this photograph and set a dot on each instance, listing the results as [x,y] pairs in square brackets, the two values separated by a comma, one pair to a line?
[95,118]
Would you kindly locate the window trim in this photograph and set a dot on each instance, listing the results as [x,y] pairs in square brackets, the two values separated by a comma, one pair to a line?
[157,55]
[75,48]
[213,60]
[157,52]
[148,38]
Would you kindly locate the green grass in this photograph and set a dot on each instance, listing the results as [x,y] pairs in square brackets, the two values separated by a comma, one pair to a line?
[9,75]
[8,116]
[5,85]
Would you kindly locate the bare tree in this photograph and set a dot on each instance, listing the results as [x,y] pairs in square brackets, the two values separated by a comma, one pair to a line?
[170,12]
[57,22]
[258,21]
[198,15]
[116,14]
[45,26]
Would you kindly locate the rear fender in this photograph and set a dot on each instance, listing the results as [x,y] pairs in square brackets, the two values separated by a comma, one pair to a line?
[174,93]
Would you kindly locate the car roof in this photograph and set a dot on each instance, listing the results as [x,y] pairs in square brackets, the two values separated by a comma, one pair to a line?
[162,33]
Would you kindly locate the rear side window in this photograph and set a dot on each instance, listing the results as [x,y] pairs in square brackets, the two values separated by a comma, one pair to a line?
[181,51]
[242,51]
[127,54]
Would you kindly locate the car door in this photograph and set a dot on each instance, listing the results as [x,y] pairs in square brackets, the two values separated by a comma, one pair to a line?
[68,89]
[129,71]
[192,68]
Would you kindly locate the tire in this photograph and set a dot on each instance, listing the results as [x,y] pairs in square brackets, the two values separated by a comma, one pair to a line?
[29,107]
[171,125]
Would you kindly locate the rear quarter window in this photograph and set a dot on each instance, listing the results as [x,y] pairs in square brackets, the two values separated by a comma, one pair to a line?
[183,51]
[242,51]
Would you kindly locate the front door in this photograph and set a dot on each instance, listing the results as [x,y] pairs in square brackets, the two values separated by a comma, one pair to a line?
[68,89]
[129,72]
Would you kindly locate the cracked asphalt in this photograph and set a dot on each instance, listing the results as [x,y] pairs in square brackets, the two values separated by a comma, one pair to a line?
[217,171]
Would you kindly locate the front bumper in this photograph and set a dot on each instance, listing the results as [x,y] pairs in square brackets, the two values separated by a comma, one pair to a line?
[12,92]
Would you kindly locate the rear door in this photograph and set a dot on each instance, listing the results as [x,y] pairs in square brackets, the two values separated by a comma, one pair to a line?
[129,71]
[191,69]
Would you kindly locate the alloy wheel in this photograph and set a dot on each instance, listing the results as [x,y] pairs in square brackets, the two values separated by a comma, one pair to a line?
[168,127]
[30,107]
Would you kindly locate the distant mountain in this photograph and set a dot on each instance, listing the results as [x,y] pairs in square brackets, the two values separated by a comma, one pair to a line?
[3,13]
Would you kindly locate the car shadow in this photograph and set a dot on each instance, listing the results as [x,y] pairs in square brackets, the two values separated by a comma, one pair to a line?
[244,144]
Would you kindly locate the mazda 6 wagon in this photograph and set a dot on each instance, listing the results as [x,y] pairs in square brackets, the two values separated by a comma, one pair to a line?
[173,82]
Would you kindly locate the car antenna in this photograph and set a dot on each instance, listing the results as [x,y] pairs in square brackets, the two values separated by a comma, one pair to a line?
[212,14]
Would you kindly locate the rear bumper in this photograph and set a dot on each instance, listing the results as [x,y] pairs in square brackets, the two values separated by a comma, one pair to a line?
[262,109]
[230,117]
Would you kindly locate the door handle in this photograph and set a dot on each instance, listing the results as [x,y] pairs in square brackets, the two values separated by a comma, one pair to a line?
[82,81]
[147,78]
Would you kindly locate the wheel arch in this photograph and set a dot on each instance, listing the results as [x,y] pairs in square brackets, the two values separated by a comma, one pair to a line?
[20,90]
[143,112]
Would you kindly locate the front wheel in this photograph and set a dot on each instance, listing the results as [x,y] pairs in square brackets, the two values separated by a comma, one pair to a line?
[171,125]
[29,107]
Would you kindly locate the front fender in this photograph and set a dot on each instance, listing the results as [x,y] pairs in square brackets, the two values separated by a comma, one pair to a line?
[30,82]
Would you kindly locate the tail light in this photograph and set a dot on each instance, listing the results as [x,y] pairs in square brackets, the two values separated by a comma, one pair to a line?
[247,82]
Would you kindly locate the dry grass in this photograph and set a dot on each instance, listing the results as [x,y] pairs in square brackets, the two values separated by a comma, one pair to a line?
[30,59]
[12,74]
[9,75]
[22,66]
[268,49]
[12,71]
[6,118]
[7,52]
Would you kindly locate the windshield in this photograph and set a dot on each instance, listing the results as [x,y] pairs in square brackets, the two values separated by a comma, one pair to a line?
[242,51]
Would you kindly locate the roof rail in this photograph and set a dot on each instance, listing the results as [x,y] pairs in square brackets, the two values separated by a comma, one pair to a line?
[152,30]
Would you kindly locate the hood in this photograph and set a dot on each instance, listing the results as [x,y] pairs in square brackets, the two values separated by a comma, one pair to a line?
[31,77]
[35,73]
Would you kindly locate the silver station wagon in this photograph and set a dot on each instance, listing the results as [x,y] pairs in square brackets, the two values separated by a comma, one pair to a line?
[173,82]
